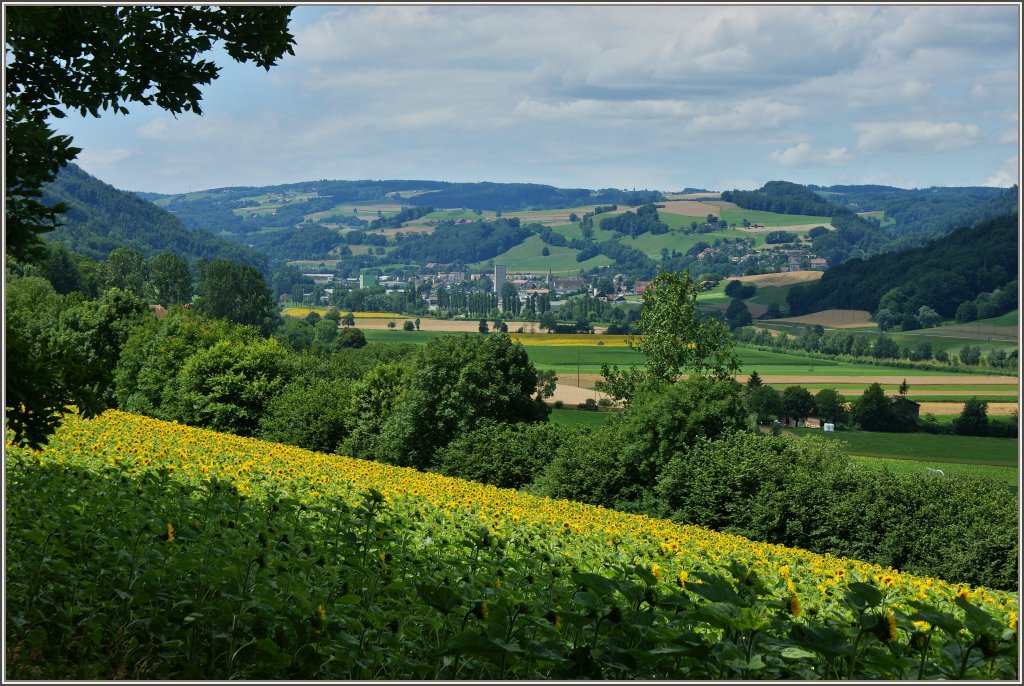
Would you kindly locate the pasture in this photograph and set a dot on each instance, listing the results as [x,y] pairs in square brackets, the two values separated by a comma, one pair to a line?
[971,450]
[1004,475]
[528,257]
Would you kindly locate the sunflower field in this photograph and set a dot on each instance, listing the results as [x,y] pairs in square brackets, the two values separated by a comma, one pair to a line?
[141,549]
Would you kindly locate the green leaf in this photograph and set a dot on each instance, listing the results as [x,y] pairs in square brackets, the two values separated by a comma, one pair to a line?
[825,641]
[862,596]
[594,582]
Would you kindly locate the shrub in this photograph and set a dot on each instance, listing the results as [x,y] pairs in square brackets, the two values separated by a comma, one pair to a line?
[805,493]
[503,455]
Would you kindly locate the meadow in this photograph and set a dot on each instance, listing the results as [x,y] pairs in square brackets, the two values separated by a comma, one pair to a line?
[140,549]
[920,467]
[971,450]
[528,257]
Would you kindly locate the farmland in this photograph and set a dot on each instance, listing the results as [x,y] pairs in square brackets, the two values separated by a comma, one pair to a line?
[998,452]
[255,560]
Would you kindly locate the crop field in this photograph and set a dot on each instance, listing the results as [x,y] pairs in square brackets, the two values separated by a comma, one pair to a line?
[833,319]
[1004,475]
[303,311]
[142,549]
[778,279]
[771,220]
[920,446]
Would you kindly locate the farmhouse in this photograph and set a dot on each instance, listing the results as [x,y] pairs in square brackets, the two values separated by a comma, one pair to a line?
[320,278]
[906,408]
[819,263]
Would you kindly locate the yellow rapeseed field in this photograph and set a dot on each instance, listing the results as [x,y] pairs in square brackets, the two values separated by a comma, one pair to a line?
[303,311]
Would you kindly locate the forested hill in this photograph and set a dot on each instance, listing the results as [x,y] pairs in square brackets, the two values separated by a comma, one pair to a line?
[870,220]
[934,211]
[101,218]
[784,197]
[941,275]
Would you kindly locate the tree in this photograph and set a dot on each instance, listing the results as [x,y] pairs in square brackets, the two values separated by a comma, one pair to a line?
[904,388]
[483,326]
[350,338]
[738,314]
[407,325]
[973,419]
[227,386]
[453,384]
[391,325]
[90,58]
[753,381]
[170,281]
[237,292]
[830,406]
[349,319]
[885,347]
[927,317]
[124,269]
[765,403]
[325,335]
[873,411]
[970,354]
[311,412]
[662,419]
[675,340]
[797,403]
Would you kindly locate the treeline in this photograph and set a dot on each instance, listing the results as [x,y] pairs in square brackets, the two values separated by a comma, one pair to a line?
[406,214]
[684,451]
[101,218]
[854,237]
[862,347]
[969,261]
[510,197]
[644,220]
[784,197]
[989,305]
[933,211]
[63,347]
[462,243]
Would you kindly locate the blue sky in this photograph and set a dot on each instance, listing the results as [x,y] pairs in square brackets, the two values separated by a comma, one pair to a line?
[595,96]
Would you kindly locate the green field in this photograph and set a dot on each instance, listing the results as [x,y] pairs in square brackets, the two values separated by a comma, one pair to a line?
[589,357]
[652,244]
[928,447]
[1006,475]
[571,231]
[567,417]
[771,219]
[527,257]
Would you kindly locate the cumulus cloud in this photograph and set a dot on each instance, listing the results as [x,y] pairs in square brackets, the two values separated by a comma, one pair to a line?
[916,136]
[803,155]
[745,116]
[1007,175]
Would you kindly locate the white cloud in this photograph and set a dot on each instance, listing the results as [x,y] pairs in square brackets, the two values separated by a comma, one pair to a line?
[803,155]
[915,136]
[102,157]
[1007,175]
[746,116]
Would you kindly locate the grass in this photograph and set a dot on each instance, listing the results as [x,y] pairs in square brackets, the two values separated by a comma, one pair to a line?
[771,219]
[1006,475]
[925,447]
[527,257]
[567,417]
[652,244]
